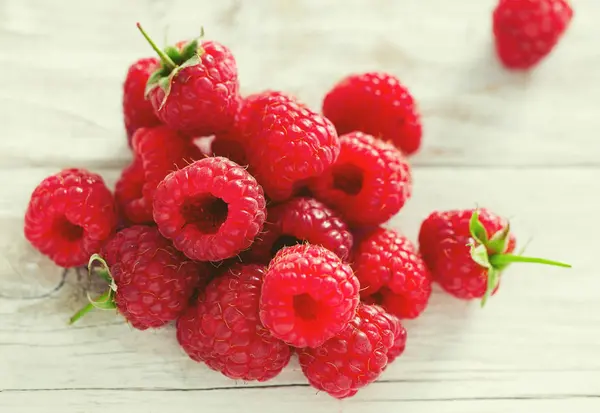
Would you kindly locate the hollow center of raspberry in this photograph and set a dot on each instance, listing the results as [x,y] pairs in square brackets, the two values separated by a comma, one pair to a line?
[348,178]
[69,231]
[206,212]
[306,307]
[284,241]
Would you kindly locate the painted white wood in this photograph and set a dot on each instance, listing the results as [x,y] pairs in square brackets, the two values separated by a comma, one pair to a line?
[524,145]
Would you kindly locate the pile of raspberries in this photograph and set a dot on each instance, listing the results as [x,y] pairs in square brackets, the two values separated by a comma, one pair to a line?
[268,241]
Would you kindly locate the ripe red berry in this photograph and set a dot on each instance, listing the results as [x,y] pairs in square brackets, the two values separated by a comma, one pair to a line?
[223,328]
[137,111]
[392,274]
[151,282]
[157,152]
[287,143]
[301,220]
[353,358]
[526,31]
[369,182]
[308,295]
[466,251]
[69,217]
[212,209]
[196,88]
[377,104]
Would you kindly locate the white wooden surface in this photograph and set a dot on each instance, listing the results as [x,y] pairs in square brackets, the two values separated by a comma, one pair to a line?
[526,145]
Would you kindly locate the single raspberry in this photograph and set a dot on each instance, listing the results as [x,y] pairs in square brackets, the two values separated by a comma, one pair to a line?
[223,328]
[157,152]
[368,184]
[399,338]
[301,220]
[286,143]
[69,217]
[392,274]
[526,31]
[353,358]
[377,104]
[466,251]
[137,111]
[196,88]
[151,282]
[211,209]
[308,296]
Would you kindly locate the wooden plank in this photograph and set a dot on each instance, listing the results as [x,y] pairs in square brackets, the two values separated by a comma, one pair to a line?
[67,93]
[536,339]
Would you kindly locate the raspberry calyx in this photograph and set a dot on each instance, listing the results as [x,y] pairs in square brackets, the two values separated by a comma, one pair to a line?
[490,253]
[172,60]
[107,300]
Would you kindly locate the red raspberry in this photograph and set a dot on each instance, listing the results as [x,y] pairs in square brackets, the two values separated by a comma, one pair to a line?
[211,209]
[466,251]
[137,111]
[196,88]
[377,104]
[299,220]
[151,281]
[308,296]
[69,217]
[157,152]
[353,358]
[391,273]
[399,338]
[526,31]
[368,184]
[223,329]
[289,143]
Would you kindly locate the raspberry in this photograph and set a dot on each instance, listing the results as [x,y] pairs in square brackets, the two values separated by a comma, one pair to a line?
[69,217]
[368,184]
[308,296]
[223,329]
[526,31]
[211,209]
[391,273]
[137,111]
[157,151]
[299,220]
[353,358]
[377,104]
[230,145]
[151,281]
[289,143]
[196,88]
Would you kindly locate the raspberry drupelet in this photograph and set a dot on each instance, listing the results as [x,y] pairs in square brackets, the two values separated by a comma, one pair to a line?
[69,217]
[392,274]
[224,331]
[212,209]
[368,184]
[301,220]
[308,295]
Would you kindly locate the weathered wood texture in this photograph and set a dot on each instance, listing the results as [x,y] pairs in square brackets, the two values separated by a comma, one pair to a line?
[525,145]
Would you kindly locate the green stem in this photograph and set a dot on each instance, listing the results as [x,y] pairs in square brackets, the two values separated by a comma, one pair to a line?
[90,306]
[501,260]
[167,61]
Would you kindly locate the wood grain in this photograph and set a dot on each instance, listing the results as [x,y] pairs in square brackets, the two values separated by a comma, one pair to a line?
[524,145]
